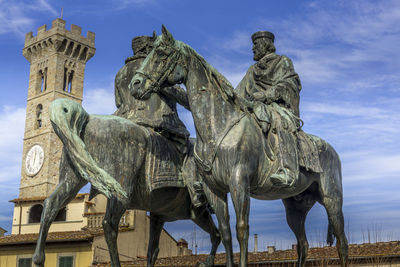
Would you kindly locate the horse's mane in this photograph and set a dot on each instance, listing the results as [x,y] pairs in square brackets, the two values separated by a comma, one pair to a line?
[225,87]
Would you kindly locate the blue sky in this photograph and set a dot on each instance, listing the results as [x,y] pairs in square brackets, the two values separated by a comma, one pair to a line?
[346,53]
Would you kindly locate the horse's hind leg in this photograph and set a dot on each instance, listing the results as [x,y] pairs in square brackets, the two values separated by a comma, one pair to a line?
[296,213]
[205,221]
[69,186]
[333,207]
[114,212]
[331,197]
[156,226]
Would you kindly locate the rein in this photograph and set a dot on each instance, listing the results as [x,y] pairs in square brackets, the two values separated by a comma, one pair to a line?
[205,164]
[156,85]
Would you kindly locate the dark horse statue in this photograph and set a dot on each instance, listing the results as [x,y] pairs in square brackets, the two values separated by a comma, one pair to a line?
[119,147]
[230,148]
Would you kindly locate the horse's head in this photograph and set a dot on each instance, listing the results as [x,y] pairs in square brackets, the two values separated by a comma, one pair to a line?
[162,67]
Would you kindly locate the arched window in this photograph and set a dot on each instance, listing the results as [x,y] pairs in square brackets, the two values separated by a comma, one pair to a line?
[43,79]
[39,110]
[35,213]
[62,215]
[68,77]
[65,78]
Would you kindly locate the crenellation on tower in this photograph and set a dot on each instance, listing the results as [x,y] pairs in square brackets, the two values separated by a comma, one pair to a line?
[58,39]
[76,29]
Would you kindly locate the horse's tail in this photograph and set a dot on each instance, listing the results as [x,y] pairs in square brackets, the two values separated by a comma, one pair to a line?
[68,119]
[330,238]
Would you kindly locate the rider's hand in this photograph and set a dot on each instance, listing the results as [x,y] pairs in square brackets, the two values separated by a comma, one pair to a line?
[259,96]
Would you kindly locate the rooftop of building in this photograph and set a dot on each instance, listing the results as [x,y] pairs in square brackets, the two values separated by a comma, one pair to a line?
[41,198]
[52,237]
[369,251]
[67,236]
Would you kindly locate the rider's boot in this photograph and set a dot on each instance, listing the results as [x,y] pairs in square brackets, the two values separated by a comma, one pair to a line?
[197,195]
[287,154]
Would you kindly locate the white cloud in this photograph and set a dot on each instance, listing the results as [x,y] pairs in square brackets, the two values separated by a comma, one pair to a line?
[12,125]
[371,165]
[342,109]
[238,43]
[99,101]
[123,4]
[16,16]
[12,121]
[351,45]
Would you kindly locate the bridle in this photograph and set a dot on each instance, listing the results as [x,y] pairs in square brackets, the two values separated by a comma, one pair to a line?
[172,60]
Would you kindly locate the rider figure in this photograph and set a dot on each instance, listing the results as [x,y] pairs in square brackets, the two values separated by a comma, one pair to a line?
[157,112]
[274,86]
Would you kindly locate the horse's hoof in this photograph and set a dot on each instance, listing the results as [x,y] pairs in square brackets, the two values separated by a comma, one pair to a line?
[38,261]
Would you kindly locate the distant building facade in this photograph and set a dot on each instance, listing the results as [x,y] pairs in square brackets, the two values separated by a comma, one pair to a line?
[57,59]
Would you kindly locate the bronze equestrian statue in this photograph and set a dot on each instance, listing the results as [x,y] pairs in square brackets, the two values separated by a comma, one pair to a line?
[143,166]
[236,155]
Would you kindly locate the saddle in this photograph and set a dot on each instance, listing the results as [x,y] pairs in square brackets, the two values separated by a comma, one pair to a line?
[163,162]
[308,152]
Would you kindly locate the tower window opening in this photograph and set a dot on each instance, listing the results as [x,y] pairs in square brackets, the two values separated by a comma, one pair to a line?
[43,80]
[70,48]
[65,78]
[39,111]
[35,213]
[70,77]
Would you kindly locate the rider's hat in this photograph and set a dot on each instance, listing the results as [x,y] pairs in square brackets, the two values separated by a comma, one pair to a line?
[263,34]
[139,42]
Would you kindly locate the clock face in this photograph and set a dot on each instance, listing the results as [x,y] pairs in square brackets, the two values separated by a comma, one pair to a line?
[34,160]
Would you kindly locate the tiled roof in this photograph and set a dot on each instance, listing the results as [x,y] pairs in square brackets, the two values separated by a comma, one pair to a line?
[52,237]
[34,199]
[370,250]
[68,236]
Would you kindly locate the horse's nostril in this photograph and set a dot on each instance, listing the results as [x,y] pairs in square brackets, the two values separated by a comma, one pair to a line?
[65,110]
[136,82]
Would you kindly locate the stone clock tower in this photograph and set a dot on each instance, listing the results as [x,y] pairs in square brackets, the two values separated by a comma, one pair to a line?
[58,58]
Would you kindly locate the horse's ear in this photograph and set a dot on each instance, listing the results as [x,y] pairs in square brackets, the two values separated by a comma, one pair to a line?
[167,36]
[154,35]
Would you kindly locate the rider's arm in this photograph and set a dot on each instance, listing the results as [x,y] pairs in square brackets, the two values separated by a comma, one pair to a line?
[178,94]
[287,88]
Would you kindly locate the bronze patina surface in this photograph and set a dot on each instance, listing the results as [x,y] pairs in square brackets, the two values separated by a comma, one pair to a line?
[247,139]
[140,158]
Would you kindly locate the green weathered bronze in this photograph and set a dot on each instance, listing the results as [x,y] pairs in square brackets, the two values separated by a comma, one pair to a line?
[244,138]
[140,158]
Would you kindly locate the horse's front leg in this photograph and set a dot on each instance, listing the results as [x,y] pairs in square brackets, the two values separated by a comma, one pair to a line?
[156,226]
[66,191]
[240,194]
[220,206]
[114,212]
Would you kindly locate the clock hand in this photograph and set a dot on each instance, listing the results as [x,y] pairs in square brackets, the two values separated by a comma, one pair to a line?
[34,159]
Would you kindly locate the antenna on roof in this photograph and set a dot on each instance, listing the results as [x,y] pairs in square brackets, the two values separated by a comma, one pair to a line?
[62,9]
